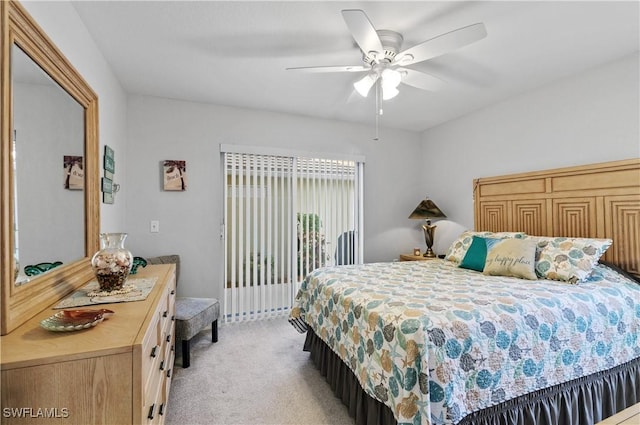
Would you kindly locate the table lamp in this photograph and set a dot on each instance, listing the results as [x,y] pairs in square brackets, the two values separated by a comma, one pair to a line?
[426,210]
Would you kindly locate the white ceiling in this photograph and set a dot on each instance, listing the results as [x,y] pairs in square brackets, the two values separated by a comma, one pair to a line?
[235,52]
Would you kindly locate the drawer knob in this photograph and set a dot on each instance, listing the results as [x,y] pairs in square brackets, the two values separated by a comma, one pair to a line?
[169,373]
[153,351]
[150,415]
[165,314]
[169,338]
[173,292]
[162,365]
[173,318]
[161,410]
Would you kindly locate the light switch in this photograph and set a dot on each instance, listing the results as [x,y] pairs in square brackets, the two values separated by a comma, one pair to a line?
[155,226]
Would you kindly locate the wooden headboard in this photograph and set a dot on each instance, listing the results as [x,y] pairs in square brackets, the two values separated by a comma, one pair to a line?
[590,201]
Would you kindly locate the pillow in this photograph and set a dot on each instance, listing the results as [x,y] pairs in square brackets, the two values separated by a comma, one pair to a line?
[476,255]
[459,247]
[511,257]
[569,259]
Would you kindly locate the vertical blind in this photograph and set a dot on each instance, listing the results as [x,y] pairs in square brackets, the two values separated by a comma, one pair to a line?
[285,216]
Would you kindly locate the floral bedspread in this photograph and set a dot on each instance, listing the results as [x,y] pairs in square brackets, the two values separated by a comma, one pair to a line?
[435,342]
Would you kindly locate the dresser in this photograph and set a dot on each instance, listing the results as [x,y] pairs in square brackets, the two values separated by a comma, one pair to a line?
[118,372]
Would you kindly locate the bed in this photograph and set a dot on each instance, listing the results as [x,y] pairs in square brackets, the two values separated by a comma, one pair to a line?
[434,343]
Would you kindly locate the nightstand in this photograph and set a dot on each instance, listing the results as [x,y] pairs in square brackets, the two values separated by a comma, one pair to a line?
[411,257]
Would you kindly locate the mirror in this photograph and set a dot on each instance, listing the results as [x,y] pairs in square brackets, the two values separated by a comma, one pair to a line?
[48,151]
[41,219]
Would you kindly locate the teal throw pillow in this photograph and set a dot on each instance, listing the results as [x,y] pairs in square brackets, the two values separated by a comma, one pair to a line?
[476,255]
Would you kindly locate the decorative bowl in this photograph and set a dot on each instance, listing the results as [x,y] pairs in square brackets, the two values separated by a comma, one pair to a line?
[75,320]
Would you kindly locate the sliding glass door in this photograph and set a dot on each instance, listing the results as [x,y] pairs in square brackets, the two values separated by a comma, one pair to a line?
[285,216]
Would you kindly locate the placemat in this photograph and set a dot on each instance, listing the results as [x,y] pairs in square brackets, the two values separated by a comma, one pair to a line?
[143,287]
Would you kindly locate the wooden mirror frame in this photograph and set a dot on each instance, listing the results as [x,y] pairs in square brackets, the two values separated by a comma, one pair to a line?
[20,303]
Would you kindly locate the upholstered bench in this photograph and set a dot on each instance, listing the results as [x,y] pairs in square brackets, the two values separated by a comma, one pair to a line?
[192,314]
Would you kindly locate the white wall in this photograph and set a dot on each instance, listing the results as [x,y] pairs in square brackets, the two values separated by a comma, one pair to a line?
[161,129]
[587,118]
[63,26]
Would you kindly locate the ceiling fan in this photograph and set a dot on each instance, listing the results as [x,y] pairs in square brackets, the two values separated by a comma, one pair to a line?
[384,62]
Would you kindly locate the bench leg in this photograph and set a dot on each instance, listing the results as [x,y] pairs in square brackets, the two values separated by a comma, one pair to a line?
[186,355]
[214,331]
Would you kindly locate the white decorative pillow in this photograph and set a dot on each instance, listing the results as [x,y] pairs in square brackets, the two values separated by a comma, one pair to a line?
[569,259]
[511,257]
[459,247]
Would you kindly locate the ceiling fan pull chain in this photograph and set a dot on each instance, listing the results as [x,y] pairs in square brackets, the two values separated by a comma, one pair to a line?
[377,135]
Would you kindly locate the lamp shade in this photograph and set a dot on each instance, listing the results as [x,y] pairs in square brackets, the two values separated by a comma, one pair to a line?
[427,209]
[389,93]
[363,85]
[390,78]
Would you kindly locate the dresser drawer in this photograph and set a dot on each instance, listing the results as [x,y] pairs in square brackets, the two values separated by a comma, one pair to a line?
[168,310]
[157,368]
[153,402]
[165,386]
[152,351]
[168,324]
[158,337]
[169,373]
[171,303]
[154,395]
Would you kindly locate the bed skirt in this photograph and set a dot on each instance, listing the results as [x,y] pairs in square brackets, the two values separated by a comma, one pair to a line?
[583,401]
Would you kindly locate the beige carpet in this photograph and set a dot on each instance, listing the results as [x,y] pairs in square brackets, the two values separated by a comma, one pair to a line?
[255,374]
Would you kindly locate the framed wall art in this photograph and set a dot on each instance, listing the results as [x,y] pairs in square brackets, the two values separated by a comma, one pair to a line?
[108,187]
[109,160]
[73,172]
[174,175]
[107,198]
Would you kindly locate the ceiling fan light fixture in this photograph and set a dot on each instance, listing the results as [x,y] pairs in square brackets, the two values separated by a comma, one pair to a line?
[390,78]
[389,92]
[363,86]
[385,63]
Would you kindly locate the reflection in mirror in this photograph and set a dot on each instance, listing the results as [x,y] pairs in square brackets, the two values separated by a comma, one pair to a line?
[48,148]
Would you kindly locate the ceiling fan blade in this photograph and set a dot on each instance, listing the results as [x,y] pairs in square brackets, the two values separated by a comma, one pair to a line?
[421,80]
[346,68]
[364,33]
[441,44]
